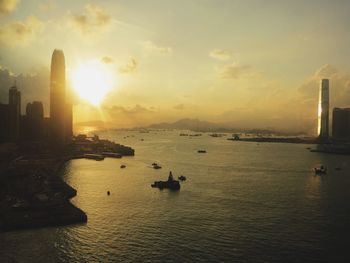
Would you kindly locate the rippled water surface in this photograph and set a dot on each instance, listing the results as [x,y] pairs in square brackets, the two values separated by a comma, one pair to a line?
[242,202]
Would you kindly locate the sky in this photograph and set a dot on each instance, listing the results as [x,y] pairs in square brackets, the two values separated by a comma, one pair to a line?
[253,64]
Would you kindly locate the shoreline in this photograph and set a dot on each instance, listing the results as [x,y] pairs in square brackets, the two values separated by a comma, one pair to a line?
[43,201]
[295,140]
[33,192]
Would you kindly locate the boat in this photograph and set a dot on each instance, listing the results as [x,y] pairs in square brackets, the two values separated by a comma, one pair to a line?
[320,170]
[182,178]
[169,184]
[97,157]
[201,151]
[123,166]
[157,166]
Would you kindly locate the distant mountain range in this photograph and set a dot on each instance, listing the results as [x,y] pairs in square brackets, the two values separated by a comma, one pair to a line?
[192,125]
[206,126]
[195,125]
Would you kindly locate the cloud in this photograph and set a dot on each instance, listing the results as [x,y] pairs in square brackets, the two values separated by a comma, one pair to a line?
[21,32]
[234,71]
[91,19]
[137,109]
[220,54]
[339,86]
[8,6]
[107,60]
[179,107]
[149,46]
[130,67]
[47,7]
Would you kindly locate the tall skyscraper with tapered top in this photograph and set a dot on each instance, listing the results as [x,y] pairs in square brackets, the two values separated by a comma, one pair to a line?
[58,98]
[323,110]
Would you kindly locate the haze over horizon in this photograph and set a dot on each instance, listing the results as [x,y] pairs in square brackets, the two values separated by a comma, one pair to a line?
[255,64]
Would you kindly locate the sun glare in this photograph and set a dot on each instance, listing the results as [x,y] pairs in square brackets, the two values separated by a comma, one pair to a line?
[92,81]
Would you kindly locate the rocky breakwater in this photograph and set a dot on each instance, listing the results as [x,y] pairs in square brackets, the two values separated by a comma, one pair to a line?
[33,195]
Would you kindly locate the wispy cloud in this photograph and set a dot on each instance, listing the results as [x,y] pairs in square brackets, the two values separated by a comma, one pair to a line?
[91,19]
[234,71]
[129,67]
[47,6]
[220,54]
[339,86]
[107,60]
[21,32]
[149,46]
[8,6]
[179,106]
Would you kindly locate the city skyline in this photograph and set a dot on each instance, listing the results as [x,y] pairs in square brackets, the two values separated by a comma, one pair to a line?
[258,73]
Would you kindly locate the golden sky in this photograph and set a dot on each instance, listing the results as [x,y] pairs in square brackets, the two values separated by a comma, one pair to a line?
[248,63]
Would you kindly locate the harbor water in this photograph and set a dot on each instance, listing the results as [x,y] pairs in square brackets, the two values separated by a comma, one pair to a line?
[241,202]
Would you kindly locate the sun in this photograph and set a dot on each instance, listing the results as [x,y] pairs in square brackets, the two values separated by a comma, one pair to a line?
[92,81]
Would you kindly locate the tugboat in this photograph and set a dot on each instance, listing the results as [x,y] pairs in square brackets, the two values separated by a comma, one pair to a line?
[170,184]
[320,170]
[182,178]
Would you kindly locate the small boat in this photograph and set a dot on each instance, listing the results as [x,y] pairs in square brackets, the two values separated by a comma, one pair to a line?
[153,164]
[123,166]
[201,151]
[157,166]
[320,170]
[182,178]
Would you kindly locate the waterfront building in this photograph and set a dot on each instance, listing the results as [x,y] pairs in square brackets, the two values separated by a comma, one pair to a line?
[14,113]
[69,121]
[341,123]
[323,110]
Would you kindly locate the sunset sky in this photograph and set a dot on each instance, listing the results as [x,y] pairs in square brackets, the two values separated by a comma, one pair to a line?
[248,63]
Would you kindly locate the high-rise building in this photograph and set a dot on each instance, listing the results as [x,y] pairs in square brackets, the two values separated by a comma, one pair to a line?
[33,122]
[323,110]
[69,121]
[341,124]
[14,113]
[58,98]
[4,122]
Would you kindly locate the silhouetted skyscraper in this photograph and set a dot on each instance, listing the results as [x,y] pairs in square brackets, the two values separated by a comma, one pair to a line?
[341,124]
[58,98]
[14,112]
[4,122]
[323,110]
[33,121]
